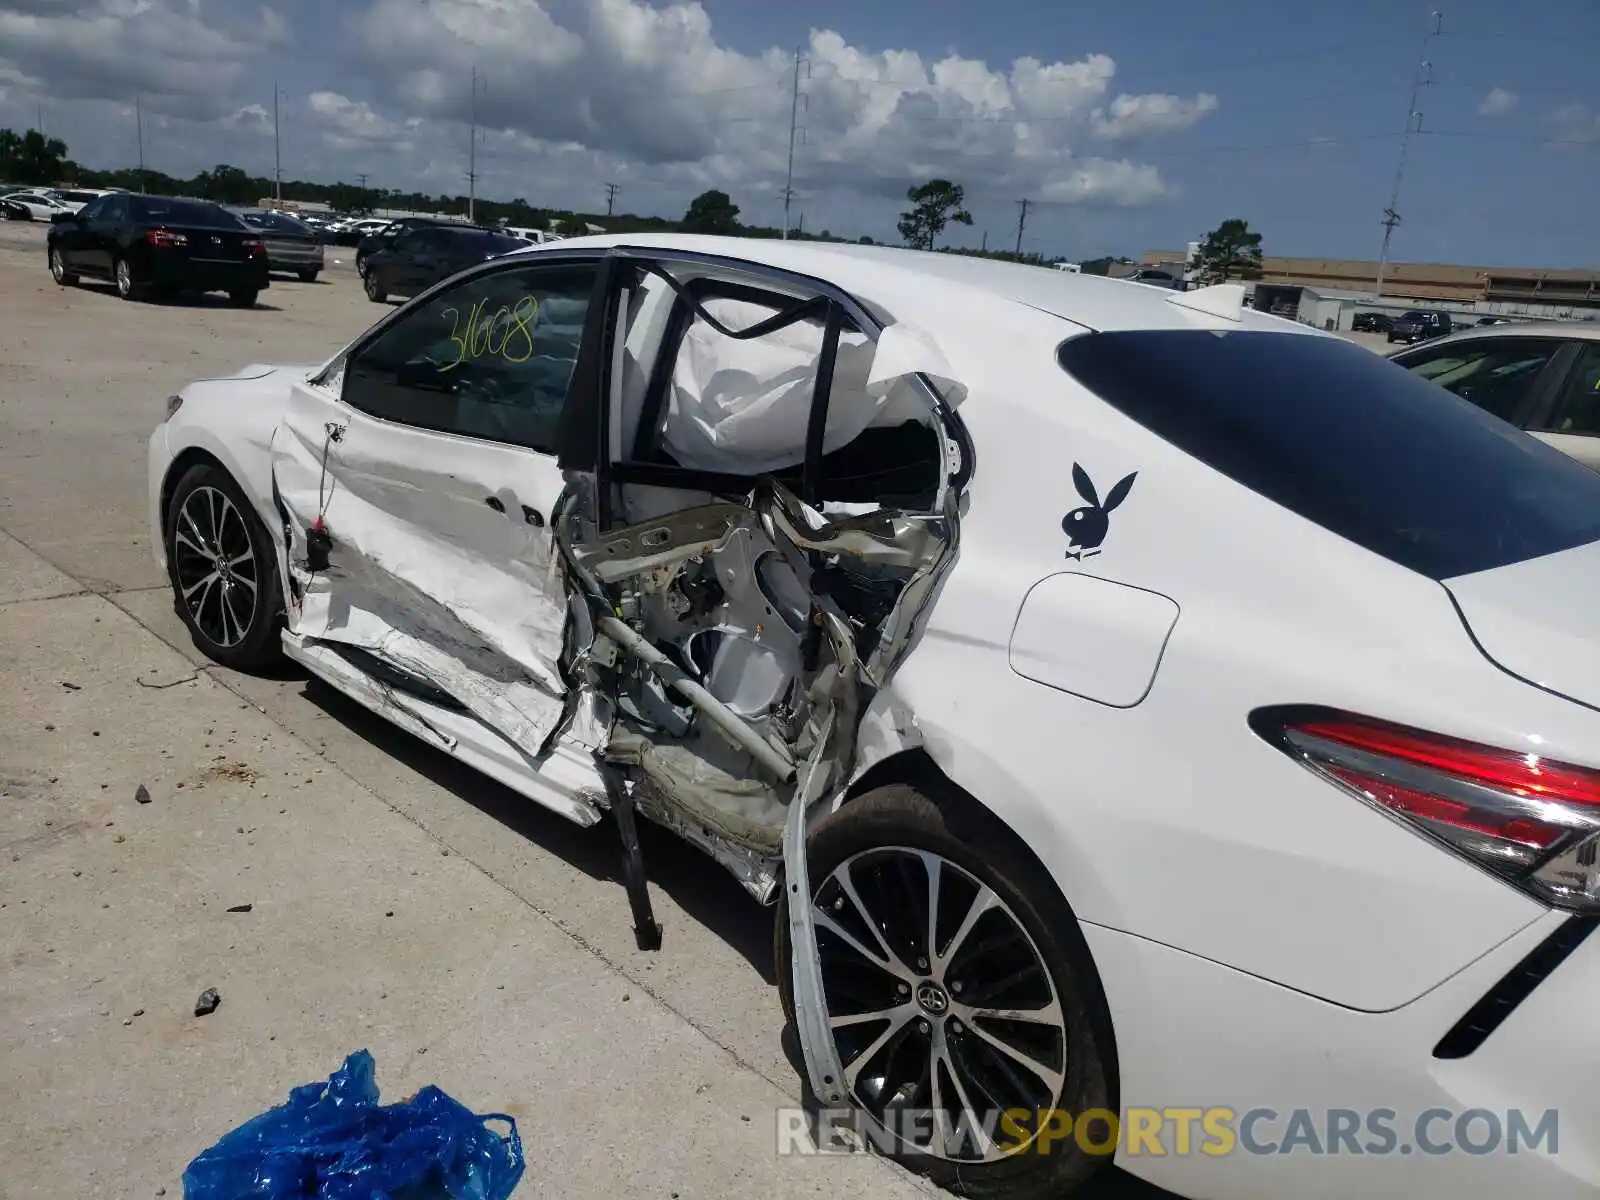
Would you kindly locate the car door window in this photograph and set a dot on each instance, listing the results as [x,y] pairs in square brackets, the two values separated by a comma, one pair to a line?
[116,209]
[490,357]
[1496,374]
[1577,409]
[94,210]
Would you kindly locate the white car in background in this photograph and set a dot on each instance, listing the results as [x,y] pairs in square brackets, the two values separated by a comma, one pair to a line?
[1543,377]
[32,206]
[1127,701]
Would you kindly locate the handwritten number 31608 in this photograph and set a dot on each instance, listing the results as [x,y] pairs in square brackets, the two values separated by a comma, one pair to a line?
[476,338]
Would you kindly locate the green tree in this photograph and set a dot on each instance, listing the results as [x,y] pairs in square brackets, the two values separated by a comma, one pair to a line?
[1230,251]
[711,212]
[31,158]
[228,185]
[934,205]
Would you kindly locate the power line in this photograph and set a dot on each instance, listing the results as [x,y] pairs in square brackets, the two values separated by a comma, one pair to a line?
[611,196]
[1419,80]
[794,128]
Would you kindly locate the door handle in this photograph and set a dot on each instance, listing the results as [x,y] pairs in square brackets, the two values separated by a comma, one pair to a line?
[533,517]
[495,503]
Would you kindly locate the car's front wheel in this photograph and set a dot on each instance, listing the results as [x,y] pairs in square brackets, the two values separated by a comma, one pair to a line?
[375,291]
[223,569]
[243,297]
[308,275]
[965,1007]
[58,268]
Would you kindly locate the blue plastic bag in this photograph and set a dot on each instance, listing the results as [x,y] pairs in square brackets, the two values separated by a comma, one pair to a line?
[334,1141]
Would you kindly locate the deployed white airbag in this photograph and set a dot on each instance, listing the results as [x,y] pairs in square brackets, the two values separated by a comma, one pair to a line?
[742,406]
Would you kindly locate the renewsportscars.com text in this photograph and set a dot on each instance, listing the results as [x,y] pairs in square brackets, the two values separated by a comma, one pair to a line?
[1158,1132]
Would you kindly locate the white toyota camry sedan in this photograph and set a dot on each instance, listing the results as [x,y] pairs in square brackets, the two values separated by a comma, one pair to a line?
[1165,734]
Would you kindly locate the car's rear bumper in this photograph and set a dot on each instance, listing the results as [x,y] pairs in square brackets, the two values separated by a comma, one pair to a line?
[294,258]
[1193,1034]
[206,276]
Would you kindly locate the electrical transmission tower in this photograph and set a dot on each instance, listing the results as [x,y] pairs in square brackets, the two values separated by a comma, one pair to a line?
[1419,80]
[794,130]
[1022,220]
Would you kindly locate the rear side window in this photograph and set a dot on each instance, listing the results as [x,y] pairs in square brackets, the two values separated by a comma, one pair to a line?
[1344,438]
[194,213]
[476,241]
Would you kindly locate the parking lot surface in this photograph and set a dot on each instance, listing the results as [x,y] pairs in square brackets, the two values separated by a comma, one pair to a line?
[398,902]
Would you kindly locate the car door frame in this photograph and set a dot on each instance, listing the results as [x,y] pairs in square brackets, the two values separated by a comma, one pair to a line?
[1539,424]
[327,386]
[1541,392]
[585,438]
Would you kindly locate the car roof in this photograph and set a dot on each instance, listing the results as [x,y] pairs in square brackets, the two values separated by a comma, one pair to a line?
[1579,331]
[871,272]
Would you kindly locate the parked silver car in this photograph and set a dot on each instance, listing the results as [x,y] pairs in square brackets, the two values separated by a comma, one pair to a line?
[292,245]
[1542,377]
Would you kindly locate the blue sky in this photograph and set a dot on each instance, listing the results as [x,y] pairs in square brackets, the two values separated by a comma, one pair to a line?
[1138,124]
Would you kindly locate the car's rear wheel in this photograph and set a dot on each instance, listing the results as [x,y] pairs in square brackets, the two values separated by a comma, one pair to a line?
[244,297]
[959,990]
[58,269]
[309,275]
[375,291]
[223,569]
[128,287]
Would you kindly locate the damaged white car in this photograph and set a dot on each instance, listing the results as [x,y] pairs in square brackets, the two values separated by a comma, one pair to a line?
[1128,702]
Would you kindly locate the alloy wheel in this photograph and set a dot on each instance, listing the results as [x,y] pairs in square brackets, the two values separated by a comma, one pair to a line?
[124,278]
[215,564]
[942,1009]
[58,269]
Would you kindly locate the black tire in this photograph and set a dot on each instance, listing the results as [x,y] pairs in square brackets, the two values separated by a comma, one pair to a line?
[128,287]
[900,818]
[308,276]
[244,297]
[375,292]
[58,269]
[214,612]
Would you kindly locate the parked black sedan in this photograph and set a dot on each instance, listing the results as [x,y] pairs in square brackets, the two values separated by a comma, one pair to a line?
[160,245]
[386,234]
[418,258]
[1420,324]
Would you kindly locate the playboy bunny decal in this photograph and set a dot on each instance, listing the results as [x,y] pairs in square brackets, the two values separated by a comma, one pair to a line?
[1087,527]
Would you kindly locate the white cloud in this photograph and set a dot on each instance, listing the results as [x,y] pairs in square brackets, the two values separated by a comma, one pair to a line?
[1576,123]
[575,92]
[1498,103]
[347,123]
[1137,116]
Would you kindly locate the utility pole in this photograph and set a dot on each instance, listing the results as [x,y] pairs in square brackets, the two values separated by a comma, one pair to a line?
[794,128]
[1420,79]
[361,180]
[1022,220]
[472,152]
[611,197]
[984,249]
[277,156]
[138,132]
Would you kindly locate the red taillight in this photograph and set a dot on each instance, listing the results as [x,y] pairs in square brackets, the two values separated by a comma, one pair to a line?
[165,238]
[1525,817]
[255,247]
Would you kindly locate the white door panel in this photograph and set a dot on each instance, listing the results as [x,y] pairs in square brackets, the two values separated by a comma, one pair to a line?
[422,571]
